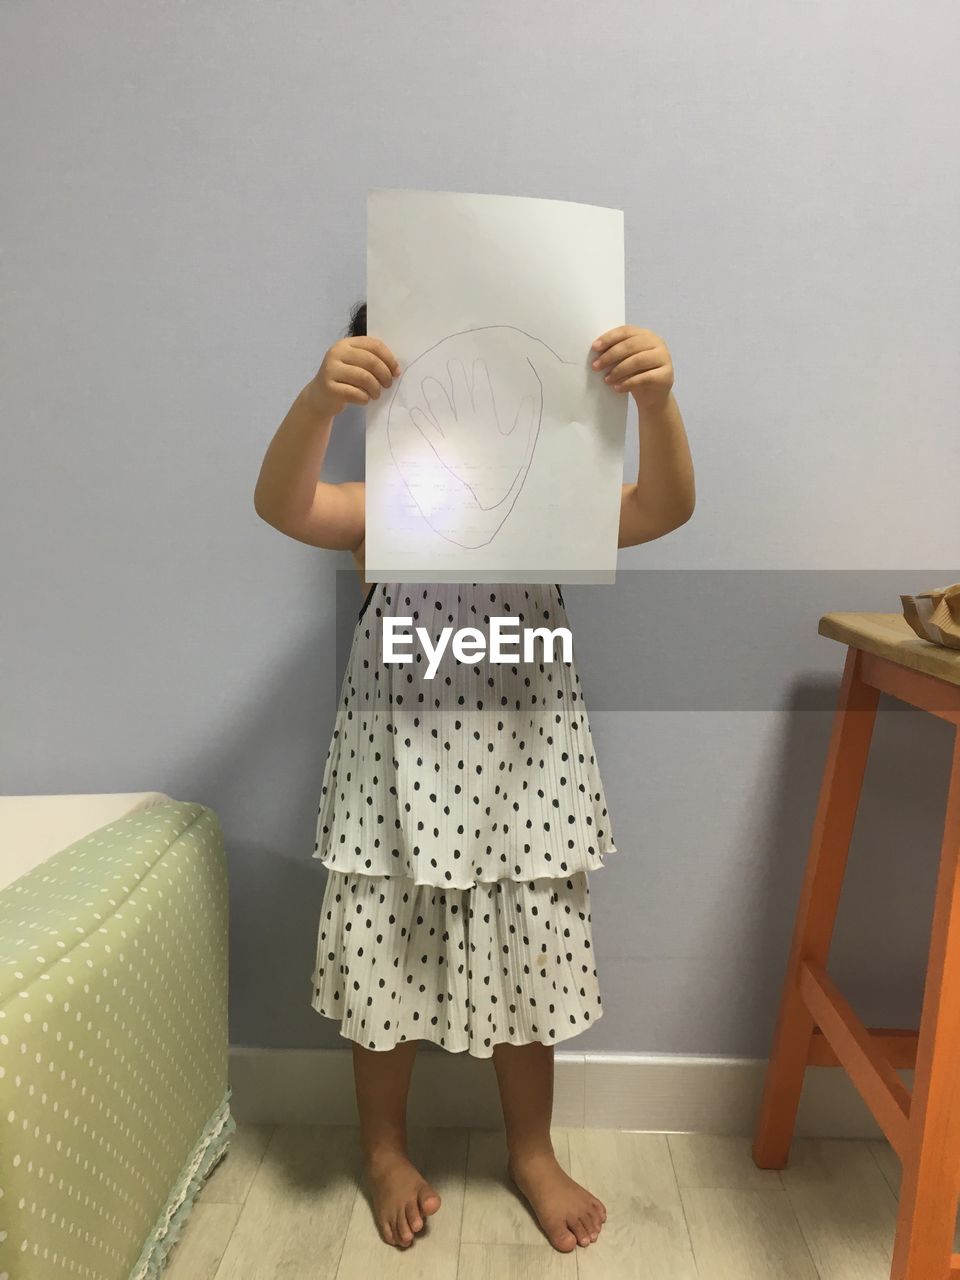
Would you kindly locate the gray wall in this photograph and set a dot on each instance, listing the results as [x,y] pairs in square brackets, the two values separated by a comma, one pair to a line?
[183,234]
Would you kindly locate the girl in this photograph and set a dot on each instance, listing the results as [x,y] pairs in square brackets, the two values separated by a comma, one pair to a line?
[460,816]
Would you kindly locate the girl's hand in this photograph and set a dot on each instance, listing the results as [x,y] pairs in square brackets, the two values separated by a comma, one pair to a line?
[354,371]
[635,360]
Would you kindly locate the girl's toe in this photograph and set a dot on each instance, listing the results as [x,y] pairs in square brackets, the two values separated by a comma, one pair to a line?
[429,1201]
[562,1238]
[402,1230]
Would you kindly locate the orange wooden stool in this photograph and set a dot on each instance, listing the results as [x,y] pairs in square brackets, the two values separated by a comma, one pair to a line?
[816,1024]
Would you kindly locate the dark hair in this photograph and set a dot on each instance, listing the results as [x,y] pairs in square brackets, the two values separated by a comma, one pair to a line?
[358,321]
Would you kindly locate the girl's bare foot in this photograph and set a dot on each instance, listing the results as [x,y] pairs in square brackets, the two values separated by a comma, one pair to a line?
[567,1212]
[402,1198]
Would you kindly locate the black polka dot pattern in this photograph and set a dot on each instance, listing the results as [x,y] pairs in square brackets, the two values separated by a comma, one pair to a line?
[486,772]
[459,818]
[507,961]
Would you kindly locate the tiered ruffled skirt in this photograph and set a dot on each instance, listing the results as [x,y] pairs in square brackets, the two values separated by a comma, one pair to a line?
[459,819]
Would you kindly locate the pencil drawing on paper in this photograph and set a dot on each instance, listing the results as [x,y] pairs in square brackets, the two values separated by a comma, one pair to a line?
[462,428]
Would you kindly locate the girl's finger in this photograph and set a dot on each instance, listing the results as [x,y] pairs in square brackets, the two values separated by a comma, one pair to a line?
[347,392]
[627,346]
[365,370]
[363,358]
[381,349]
[638,380]
[637,363]
[354,376]
[612,335]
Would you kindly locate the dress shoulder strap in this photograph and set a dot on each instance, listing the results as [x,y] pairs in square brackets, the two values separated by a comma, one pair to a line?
[367,601]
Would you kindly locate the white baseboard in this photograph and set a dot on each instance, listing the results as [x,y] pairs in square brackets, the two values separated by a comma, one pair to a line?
[641,1092]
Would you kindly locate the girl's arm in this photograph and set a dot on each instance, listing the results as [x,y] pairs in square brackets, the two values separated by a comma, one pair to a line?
[288,494]
[290,497]
[664,495]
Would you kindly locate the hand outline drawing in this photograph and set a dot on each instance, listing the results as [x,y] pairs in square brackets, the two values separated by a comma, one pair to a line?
[443,417]
[469,406]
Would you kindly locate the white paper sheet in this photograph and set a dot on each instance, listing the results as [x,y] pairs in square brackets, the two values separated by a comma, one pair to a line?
[497,455]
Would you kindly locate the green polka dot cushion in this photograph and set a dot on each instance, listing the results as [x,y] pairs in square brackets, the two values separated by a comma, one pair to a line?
[114,1101]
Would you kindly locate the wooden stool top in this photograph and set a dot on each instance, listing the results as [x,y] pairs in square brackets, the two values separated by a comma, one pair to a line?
[889,635]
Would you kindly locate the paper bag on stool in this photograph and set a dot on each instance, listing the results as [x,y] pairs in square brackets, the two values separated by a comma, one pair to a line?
[935,615]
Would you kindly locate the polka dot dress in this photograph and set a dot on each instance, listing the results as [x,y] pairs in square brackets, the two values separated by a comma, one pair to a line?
[459,818]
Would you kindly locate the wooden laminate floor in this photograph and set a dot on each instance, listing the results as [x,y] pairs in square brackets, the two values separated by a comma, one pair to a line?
[286,1203]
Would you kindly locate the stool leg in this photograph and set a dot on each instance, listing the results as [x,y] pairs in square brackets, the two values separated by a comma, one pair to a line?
[930,1177]
[820,896]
